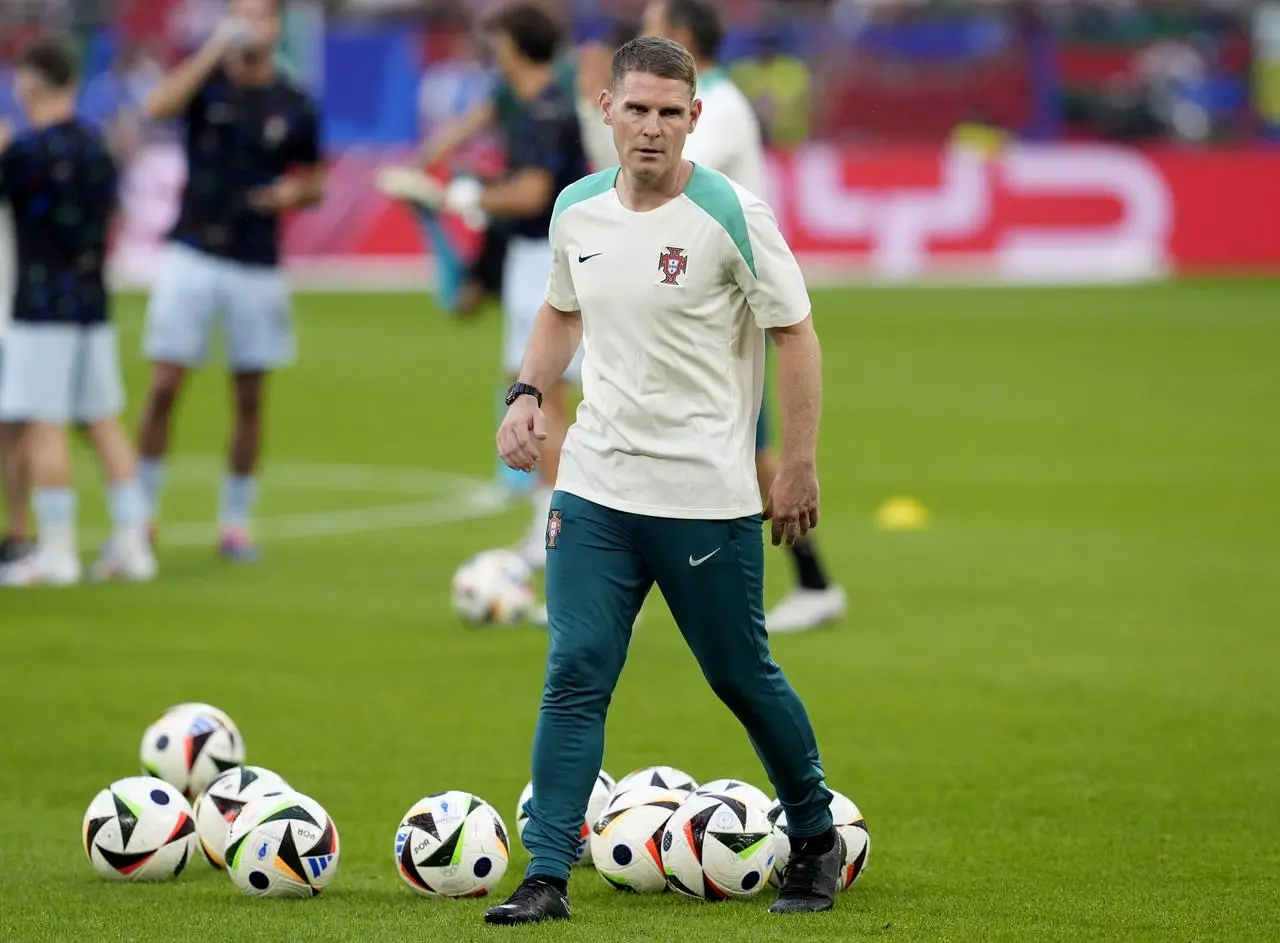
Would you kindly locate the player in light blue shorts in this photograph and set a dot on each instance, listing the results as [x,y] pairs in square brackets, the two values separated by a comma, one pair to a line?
[253,152]
[61,362]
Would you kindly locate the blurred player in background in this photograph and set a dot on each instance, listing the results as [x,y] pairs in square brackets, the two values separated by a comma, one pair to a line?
[15,539]
[535,108]
[253,153]
[727,139]
[62,362]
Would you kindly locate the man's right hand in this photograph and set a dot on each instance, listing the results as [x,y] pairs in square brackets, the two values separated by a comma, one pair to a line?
[521,434]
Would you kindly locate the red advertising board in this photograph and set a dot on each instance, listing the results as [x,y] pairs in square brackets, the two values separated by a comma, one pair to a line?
[1027,213]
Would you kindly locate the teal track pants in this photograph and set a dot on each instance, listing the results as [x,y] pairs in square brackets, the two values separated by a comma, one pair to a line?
[601,564]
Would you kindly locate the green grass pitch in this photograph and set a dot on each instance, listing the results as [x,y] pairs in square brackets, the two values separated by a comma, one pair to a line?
[1057,707]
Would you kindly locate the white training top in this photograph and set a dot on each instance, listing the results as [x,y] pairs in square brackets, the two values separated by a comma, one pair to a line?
[673,303]
[727,138]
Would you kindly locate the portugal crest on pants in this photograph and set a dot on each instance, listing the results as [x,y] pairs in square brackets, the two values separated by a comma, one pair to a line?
[554,523]
[672,264]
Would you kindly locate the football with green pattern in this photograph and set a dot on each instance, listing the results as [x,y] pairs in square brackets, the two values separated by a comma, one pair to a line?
[282,845]
[452,844]
[716,847]
[139,829]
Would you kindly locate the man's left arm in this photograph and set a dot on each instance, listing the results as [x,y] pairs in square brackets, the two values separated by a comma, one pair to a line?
[304,186]
[770,277]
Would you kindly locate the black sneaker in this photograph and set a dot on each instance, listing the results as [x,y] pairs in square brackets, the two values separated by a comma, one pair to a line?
[12,550]
[534,900]
[810,882]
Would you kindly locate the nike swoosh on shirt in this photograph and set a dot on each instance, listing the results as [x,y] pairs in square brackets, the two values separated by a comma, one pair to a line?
[702,560]
[585,258]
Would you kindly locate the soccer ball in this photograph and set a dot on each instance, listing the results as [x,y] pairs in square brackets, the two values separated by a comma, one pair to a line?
[664,777]
[219,805]
[626,839]
[601,791]
[139,829]
[189,745]
[452,844]
[738,789]
[494,587]
[716,847]
[282,846]
[851,829]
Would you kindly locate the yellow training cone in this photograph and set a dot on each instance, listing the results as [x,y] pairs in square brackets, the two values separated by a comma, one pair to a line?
[902,513]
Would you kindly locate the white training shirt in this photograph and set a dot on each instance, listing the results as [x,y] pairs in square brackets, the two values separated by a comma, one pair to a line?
[673,303]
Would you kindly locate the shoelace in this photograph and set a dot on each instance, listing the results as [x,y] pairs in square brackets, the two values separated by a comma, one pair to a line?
[800,877]
[528,891]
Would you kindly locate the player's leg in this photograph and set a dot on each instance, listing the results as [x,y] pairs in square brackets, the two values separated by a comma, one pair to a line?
[596,584]
[99,403]
[178,326]
[422,193]
[36,391]
[712,575]
[16,543]
[260,339]
[815,600]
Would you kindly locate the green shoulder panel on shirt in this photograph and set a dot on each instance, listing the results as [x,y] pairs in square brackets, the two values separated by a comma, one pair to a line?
[584,189]
[715,195]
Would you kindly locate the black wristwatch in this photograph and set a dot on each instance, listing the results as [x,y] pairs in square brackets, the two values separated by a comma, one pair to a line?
[518,390]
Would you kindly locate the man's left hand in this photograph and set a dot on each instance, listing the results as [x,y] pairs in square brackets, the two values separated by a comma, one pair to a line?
[793,502]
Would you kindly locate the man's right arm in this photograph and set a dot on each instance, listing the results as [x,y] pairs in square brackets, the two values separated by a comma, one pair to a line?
[553,342]
[179,88]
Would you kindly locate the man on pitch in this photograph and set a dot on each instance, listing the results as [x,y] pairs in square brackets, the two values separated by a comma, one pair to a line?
[253,153]
[671,274]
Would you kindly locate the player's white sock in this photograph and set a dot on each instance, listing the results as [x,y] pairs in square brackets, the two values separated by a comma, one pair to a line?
[151,474]
[239,495]
[55,510]
[127,504]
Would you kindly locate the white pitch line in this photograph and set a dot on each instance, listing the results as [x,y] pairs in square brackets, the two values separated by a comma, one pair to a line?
[450,498]
[453,509]
[382,479]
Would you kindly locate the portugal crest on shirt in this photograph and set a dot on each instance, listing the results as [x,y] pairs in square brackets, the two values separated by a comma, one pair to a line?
[672,265]
[554,523]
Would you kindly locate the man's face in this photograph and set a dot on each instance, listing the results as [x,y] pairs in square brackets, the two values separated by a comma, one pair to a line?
[263,17]
[650,117]
[29,88]
[505,53]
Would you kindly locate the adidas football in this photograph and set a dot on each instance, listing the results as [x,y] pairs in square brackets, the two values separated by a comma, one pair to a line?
[139,829]
[664,777]
[738,789]
[189,745]
[217,807]
[601,791]
[282,846]
[626,839]
[452,844]
[850,827]
[494,587]
[717,847]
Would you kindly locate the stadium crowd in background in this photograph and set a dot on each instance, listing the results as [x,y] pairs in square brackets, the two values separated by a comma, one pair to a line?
[887,69]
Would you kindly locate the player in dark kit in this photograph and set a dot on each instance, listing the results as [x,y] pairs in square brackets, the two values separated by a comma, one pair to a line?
[62,364]
[536,110]
[253,152]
